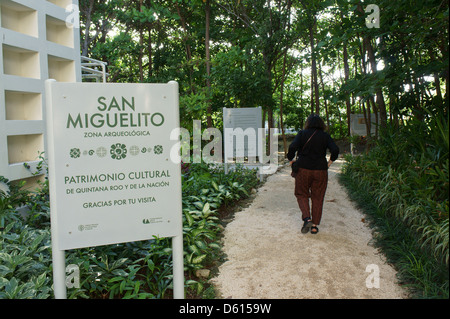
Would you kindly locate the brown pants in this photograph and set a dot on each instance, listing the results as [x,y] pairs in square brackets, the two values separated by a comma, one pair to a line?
[311,183]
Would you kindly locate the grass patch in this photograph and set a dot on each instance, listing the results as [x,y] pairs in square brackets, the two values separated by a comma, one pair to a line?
[418,269]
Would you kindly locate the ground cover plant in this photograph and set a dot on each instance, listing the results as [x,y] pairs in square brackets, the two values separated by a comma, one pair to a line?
[129,270]
[403,185]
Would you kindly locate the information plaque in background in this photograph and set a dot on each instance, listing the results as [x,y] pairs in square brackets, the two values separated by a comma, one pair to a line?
[111,176]
[243,143]
[358,124]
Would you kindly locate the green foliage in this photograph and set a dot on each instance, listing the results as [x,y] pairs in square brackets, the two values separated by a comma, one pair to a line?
[193,106]
[256,45]
[136,270]
[24,262]
[407,177]
[239,79]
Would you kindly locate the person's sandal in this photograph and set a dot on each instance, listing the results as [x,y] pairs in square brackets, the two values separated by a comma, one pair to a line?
[306,225]
[314,230]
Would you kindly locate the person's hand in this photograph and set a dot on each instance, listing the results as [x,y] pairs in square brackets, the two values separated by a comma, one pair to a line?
[290,163]
[329,163]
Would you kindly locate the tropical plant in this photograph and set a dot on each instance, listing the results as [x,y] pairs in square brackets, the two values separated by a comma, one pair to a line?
[406,177]
[130,270]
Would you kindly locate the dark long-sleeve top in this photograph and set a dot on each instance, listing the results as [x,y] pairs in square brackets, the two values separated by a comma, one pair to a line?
[313,156]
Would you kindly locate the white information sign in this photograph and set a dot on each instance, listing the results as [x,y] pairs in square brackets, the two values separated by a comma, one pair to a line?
[241,131]
[110,172]
[358,124]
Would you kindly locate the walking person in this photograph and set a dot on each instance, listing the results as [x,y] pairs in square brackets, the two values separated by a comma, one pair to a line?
[311,179]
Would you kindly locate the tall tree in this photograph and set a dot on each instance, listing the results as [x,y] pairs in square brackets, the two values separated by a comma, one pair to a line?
[266,22]
[208,60]
[373,63]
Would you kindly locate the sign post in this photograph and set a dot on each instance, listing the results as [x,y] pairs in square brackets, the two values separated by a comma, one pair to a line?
[110,173]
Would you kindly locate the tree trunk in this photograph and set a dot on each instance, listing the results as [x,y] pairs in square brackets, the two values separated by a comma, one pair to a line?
[86,40]
[282,87]
[141,49]
[375,113]
[300,115]
[281,105]
[187,47]
[324,100]
[208,63]
[150,51]
[346,77]
[269,107]
[314,68]
[373,64]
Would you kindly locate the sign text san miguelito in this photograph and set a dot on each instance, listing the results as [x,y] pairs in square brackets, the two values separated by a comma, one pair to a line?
[115,114]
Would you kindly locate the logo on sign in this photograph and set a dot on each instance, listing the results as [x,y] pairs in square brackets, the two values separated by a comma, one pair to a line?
[147,221]
[87,227]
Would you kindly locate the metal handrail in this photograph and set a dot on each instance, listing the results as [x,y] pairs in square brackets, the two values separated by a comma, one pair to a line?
[90,69]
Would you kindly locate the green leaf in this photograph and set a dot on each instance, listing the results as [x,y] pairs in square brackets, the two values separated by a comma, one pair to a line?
[122,286]
[4,271]
[116,279]
[189,218]
[214,245]
[194,249]
[206,208]
[40,280]
[320,44]
[151,265]
[120,272]
[199,259]
[137,285]
[199,204]
[12,288]
[201,244]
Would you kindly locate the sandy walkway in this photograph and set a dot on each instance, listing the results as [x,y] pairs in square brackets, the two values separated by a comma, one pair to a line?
[268,256]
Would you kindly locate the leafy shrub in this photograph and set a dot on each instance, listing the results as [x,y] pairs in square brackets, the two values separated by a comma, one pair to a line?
[129,270]
[24,262]
[406,175]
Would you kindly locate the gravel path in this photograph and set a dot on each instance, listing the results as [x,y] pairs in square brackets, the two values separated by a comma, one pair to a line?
[268,256]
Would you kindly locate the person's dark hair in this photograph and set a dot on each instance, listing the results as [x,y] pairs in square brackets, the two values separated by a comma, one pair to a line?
[315,121]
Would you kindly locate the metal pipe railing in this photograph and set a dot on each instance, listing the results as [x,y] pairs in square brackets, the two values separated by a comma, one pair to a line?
[90,69]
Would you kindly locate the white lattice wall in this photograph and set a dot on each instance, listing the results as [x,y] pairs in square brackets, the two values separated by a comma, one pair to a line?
[36,44]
